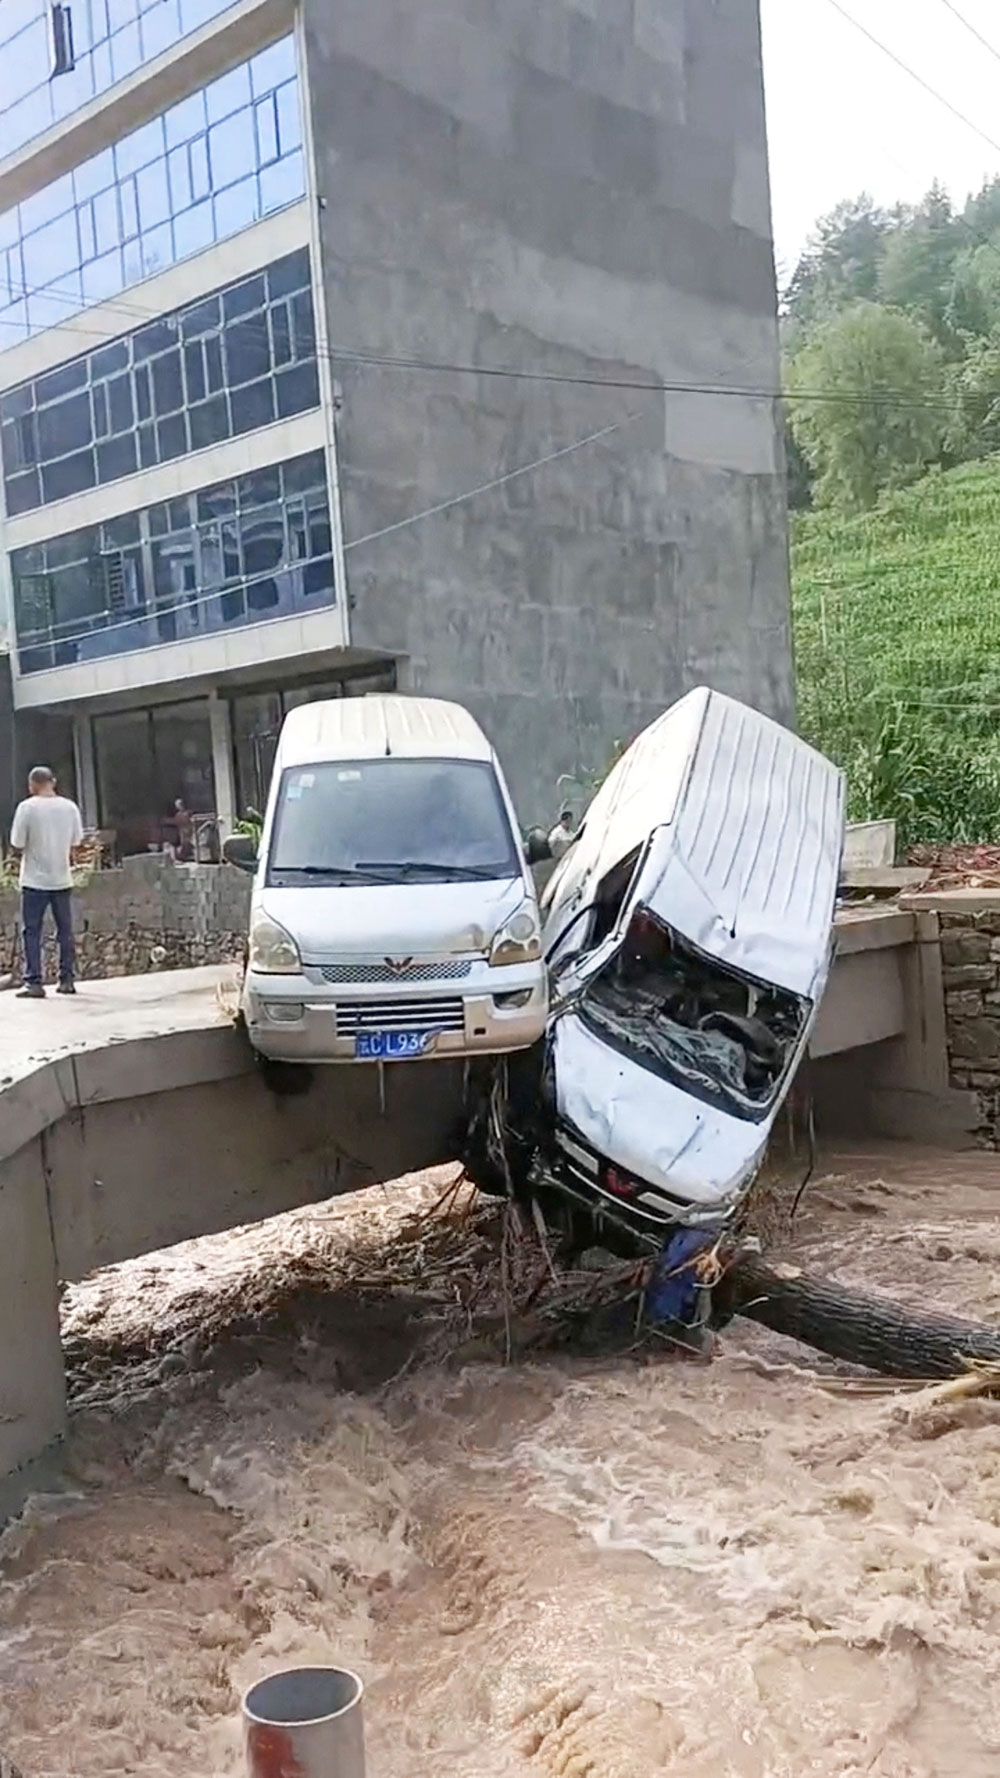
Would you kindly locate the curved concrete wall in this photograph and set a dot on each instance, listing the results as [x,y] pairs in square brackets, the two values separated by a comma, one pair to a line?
[121,1144]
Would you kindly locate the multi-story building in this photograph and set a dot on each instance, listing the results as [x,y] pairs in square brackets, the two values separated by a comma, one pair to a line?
[371,342]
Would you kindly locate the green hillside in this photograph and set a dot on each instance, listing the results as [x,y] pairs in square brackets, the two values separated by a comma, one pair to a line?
[897,635]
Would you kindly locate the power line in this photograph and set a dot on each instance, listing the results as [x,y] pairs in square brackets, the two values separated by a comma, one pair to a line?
[899,63]
[949,7]
[342,355]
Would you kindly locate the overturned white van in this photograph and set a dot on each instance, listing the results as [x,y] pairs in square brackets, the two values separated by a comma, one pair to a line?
[688,933]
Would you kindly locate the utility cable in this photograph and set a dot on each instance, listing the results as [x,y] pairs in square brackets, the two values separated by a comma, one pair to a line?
[345,356]
[906,69]
[950,7]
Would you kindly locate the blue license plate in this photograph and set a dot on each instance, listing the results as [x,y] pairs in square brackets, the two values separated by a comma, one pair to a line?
[393,1046]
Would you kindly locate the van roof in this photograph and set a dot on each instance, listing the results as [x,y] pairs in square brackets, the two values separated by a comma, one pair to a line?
[759,825]
[378,726]
[748,826]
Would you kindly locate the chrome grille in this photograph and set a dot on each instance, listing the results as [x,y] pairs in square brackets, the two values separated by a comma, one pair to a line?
[428,970]
[400,1015]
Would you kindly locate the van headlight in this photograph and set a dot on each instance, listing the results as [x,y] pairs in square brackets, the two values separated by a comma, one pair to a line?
[518,940]
[273,951]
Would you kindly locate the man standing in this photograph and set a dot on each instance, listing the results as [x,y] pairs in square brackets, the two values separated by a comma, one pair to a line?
[46,834]
[562,835]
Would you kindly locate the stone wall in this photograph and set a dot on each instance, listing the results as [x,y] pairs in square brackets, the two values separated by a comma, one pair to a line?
[149,914]
[970,957]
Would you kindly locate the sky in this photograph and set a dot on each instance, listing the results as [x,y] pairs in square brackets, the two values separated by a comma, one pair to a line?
[842,119]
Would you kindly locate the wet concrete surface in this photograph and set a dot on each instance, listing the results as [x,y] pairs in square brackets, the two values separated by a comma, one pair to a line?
[574,1567]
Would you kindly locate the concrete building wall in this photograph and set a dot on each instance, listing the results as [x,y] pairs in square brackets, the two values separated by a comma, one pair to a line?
[575,188]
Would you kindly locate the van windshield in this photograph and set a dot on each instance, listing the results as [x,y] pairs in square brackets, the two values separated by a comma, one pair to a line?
[391,821]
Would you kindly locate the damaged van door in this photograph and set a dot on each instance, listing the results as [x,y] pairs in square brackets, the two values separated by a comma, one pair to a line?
[688,933]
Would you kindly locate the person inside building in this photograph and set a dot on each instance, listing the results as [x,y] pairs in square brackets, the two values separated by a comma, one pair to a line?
[46,835]
[183,821]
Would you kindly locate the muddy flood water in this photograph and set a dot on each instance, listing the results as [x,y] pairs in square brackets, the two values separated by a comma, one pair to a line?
[574,1567]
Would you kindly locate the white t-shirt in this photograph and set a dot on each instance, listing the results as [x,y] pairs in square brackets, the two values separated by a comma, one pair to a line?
[44,828]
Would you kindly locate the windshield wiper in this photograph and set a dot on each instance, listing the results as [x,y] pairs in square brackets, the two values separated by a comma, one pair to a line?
[472,872]
[357,873]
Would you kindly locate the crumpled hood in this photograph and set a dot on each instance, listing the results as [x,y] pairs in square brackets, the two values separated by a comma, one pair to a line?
[649,1127]
[391,920]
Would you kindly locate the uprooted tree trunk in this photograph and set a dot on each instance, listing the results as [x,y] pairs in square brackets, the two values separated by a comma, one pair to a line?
[854,1325]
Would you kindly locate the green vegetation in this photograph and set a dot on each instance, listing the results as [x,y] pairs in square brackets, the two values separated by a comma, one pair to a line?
[891,328]
[897,633]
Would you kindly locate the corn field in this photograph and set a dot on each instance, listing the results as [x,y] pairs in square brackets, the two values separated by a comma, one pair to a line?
[897,640]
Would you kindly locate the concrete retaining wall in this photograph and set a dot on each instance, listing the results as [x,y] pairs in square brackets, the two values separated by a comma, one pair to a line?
[194,913]
[120,1145]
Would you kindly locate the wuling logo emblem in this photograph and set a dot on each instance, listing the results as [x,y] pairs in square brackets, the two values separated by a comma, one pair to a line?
[399,965]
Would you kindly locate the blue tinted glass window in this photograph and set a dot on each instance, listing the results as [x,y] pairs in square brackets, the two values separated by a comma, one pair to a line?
[230,363]
[159,27]
[227,151]
[210,166]
[267,130]
[228,94]
[94,175]
[289,122]
[283,182]
[236,553]
[185,120]
[109,43]
[141,147]
[153,194]
[273,65]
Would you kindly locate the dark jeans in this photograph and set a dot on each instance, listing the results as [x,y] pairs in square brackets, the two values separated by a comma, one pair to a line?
[33,905]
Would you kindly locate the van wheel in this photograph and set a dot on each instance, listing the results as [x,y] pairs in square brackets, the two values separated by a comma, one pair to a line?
[286,1080]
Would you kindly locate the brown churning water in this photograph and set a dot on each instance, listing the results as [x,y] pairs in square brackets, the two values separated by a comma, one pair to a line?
[573,1569]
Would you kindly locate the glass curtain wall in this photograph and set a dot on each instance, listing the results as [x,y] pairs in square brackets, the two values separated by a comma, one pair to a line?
[237,553]
[57,57]
[233,361]
[219,160]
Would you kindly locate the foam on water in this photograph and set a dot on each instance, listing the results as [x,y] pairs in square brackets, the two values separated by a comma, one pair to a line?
[569,1570]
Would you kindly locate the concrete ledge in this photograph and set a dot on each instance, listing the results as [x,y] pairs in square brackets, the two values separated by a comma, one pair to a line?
[872,929]
[952,901]
[114,1040]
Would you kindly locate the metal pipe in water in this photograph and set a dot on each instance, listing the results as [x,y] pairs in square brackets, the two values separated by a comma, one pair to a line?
[305,1723]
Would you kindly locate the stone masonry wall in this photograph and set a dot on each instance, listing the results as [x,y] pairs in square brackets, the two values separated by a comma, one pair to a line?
[970,956]
[125,919]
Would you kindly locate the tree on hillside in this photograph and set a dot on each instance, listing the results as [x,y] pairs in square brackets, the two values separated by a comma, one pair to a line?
[974,304]
[840,263]
[916,270]
[982,211]
[867,403]
[974,391]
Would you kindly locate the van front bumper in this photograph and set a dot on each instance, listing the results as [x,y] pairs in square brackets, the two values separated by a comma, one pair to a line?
[289,1021]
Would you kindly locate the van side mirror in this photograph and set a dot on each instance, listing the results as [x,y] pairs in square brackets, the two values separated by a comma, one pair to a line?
[241,850]
[536,846]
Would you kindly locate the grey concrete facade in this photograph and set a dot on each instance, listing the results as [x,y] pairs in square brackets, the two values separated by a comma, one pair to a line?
[577,188]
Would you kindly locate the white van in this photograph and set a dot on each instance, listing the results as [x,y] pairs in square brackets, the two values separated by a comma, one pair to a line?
[688,931]
[393,914]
